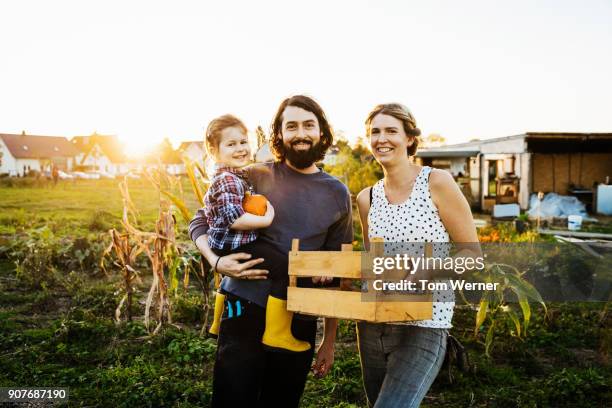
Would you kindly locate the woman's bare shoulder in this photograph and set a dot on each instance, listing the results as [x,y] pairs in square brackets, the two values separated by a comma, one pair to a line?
[363,196]
[441,180]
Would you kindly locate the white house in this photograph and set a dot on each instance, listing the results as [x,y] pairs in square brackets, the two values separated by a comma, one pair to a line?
[21,153]
[331,156]
[194,151]
[264,154]
[100,153]
[509,169]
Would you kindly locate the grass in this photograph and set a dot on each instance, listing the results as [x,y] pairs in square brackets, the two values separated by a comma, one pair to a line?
[64,335]
[72,207]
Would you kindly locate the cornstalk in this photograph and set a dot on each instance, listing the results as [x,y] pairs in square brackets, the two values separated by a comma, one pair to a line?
[125,253]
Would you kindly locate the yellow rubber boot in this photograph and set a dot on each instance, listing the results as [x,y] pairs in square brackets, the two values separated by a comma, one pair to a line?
[219,307]
[278,327]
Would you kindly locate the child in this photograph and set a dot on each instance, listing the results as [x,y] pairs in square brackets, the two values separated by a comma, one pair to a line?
[232,230]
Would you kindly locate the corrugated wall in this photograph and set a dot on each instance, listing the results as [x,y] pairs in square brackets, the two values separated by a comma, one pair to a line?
[554,172]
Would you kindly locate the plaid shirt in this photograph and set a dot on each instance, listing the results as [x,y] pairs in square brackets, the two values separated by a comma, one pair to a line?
[224,206]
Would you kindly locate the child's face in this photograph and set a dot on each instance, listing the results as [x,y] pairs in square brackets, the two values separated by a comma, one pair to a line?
[234,150]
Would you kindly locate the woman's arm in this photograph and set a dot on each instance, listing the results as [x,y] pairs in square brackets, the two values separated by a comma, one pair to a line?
[363,206]
[456,215]
[452,206]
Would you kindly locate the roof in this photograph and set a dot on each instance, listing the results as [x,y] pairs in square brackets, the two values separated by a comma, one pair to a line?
[474,145]
[25,146]
[110,145]
[568,134]
[164,153]
[185,145]
[446,153]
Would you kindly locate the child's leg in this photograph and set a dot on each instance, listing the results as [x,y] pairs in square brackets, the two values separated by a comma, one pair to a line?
[218,312]
[219,304]
[275,262]
[278,328]
[278,319]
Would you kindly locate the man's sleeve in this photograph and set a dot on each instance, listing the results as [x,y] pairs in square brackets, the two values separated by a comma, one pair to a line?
[341,231]
[198,225]
[226,195]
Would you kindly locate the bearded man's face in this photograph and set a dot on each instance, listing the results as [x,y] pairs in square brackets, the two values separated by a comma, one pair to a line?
[301,137]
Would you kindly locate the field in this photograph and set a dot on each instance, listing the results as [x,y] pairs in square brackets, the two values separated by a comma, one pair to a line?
[57,325]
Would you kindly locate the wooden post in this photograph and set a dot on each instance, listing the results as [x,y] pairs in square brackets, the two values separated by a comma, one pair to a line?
[295,247]
[345,284]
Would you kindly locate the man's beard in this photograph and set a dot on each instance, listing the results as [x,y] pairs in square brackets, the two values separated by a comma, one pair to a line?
[302,159]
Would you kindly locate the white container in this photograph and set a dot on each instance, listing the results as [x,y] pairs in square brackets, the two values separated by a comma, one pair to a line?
[506,210]
[574,222]
[604,199]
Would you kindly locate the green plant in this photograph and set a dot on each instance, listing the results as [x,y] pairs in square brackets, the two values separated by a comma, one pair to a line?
[34,255]
[495,308]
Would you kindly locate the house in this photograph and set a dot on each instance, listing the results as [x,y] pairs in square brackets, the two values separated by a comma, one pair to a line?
[21,153]
[331,156]
[194,151]
[509,169]
[264,154]
[100,153]
[165,155]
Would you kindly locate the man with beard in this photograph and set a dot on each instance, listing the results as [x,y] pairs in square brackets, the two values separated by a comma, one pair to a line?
[310,205]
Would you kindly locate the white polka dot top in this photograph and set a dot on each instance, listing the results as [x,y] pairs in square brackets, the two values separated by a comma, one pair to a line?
[404,228]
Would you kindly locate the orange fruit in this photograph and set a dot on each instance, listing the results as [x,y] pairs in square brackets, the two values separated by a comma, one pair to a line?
[255,204]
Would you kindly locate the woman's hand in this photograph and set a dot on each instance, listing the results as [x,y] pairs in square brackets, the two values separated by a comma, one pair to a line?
[230,265]
[324,360]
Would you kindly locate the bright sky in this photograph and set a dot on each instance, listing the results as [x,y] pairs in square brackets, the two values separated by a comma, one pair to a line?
[145,70]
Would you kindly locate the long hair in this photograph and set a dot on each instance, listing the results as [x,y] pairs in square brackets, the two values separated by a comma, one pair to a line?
[401,113]
[310,105]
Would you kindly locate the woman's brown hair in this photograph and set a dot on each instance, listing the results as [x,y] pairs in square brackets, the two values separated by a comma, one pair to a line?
[401,113]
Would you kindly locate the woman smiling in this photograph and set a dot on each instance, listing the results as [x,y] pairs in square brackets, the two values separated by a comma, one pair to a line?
[410,206]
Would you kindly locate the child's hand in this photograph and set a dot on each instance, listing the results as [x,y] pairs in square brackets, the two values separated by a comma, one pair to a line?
[269,215]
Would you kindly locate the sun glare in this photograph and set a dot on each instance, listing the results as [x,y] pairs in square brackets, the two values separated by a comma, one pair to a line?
[136,148]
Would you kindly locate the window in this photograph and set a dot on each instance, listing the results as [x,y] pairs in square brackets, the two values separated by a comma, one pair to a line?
[492,187]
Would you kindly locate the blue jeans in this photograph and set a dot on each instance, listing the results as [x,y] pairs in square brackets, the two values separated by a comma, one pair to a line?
[399,362]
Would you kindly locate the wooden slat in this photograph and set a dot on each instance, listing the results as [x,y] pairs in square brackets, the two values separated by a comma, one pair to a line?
[330,303]
[403,311]
[351,306]
[325,263]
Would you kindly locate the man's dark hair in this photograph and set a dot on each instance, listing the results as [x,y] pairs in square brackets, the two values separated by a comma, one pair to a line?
[308,104]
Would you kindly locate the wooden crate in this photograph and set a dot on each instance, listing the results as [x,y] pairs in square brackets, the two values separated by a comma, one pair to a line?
[345,303]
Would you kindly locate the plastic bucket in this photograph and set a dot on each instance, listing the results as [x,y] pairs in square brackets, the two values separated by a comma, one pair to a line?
[574,222]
